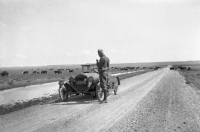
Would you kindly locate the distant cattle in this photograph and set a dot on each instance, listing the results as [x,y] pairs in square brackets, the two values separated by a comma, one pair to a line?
[156,68]
[124,69]
[182,68]
[137,68]
[58,72]
[71,71]
[34,72]
[43,72]
[25,72]
[115,68]
[5,74]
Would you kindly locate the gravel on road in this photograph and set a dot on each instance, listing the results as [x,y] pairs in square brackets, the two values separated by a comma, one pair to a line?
[157,101]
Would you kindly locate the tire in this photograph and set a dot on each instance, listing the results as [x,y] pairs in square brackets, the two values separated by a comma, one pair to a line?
[99,93]
[63,94]
[115,90]
[94,95]
[118,80]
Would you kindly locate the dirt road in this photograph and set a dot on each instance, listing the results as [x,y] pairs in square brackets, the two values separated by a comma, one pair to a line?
[157,101]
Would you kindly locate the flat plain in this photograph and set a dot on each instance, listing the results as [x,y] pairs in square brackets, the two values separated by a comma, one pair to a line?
[163,100]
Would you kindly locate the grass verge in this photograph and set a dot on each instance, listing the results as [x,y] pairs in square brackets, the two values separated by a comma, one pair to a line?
[192,78]
[21,105]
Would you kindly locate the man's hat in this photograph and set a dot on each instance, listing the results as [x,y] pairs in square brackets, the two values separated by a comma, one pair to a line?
[100,50]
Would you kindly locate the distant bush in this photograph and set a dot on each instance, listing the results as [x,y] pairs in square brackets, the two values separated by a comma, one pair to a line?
[10,83]
[187,82]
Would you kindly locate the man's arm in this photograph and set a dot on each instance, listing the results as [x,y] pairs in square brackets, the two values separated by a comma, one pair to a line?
[108,62]
[97,62]
[101,63]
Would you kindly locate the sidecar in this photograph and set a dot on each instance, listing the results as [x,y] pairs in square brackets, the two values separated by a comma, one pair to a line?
[86,83]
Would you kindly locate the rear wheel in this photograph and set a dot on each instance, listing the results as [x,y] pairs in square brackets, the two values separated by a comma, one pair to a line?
[99,93]
[118,80]
[94,95]
[63,94]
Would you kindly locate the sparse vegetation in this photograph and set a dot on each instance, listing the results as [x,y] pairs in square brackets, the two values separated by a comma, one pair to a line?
[192,76]
[21,105]
[17,77]
[33,76]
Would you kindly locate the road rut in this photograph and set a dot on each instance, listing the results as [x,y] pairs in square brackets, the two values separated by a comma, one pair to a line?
[157,101]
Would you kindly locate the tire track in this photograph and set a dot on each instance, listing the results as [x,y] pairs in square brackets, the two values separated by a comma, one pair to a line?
[170,106]
[100,116]
[66,116]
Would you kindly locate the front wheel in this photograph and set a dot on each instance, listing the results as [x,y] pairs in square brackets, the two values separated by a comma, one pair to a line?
[63,94]
[99,93]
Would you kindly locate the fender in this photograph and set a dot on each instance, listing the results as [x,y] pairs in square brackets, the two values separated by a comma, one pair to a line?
[68,85]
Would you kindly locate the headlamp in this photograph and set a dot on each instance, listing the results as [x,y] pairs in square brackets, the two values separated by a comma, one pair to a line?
[71,79]
[90,79]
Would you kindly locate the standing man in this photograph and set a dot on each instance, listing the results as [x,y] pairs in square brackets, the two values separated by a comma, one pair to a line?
[103,66]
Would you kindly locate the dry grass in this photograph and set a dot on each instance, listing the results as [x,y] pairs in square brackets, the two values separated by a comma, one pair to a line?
[192,76]
[17,79]
[21,105]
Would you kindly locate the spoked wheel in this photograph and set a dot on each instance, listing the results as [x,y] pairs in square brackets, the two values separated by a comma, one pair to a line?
[99,93]
[63,94]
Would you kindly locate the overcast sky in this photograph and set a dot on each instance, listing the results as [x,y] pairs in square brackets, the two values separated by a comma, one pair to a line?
[53,32]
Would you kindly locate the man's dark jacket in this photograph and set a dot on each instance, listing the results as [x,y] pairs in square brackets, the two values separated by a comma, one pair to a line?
[103,64]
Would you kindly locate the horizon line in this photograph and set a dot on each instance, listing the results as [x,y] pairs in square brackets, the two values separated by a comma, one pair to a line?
[110,64]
